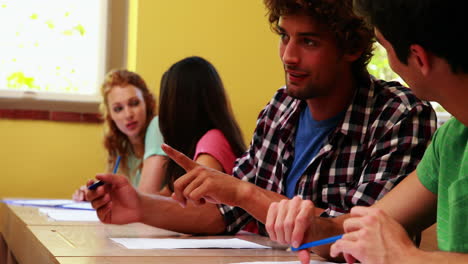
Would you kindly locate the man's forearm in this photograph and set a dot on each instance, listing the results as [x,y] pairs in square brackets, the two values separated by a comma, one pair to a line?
[327,227]
[256,200]
[437,257]
[164,212]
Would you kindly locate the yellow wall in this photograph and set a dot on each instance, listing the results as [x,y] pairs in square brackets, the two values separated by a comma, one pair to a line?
[51,159]
[234,35]
[47,159]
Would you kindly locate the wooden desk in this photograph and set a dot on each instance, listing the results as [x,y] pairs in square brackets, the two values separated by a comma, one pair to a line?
[31,216]
[32,238]
[167,260]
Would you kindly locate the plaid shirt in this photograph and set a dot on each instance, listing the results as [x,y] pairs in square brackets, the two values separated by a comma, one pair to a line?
[380,140]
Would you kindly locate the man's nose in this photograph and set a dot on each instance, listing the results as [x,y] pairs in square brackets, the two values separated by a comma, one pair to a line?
[290,54]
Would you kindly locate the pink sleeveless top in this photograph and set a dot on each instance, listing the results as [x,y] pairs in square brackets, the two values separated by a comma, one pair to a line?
[216,145]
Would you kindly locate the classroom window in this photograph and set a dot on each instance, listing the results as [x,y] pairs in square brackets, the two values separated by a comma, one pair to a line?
[380,68]
[54,53]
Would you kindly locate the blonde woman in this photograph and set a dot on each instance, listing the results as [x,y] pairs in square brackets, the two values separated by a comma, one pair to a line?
[132,131]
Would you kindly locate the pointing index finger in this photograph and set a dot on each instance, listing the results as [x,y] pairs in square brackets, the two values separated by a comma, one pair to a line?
[185,162]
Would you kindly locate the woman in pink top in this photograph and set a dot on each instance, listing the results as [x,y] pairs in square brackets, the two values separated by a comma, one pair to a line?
[215,144]
[195,118]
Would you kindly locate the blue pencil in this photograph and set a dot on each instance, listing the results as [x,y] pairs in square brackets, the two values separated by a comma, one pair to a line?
[99,183]
[317,243]
[116,166]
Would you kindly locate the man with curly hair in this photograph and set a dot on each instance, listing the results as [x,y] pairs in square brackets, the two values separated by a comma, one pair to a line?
[333,135]
[425,47]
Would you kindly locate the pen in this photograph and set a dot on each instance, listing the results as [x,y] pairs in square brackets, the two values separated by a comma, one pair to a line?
[317,243]
[99,183]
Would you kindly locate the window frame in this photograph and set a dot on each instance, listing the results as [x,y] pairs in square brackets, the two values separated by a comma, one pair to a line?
[114,52]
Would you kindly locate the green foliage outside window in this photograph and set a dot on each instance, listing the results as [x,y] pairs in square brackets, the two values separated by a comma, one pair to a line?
[379,67]
[49,45]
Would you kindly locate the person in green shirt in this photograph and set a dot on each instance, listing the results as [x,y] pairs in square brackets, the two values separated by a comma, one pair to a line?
[426,46]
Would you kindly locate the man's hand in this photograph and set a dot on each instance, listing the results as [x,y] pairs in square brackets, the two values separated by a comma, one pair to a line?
[292,222]
[116,202]
[373,237]
[201,184]
[79,195]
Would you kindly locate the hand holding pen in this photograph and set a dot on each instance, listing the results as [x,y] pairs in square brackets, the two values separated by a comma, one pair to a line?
[296,221]
[99,183]
[317,243]
[118,203]
[80,194]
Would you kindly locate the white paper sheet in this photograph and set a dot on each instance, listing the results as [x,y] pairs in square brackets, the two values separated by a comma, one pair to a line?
[40,202]
[285,262]
[66,204]
[169,243]
[80,205]
[70,215]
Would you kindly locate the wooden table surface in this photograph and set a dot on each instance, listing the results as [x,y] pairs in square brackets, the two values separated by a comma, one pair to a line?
[31,216]
[168,260]
[33,238]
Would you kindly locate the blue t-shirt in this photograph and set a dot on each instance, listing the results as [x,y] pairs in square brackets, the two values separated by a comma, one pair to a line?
[310,137]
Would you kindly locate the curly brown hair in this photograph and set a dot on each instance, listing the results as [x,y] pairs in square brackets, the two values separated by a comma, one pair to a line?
[351,31]
[116,142]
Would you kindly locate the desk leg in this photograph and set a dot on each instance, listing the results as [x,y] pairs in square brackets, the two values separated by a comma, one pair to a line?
[5,255]
[3,250]
[11,259]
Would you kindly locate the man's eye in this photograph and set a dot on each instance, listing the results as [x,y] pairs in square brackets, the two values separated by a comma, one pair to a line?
[283,37]
[310,42]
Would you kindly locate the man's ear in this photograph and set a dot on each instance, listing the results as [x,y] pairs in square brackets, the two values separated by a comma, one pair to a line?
[420,58]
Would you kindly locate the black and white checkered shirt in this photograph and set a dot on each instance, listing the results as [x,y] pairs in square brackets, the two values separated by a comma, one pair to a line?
[380,140]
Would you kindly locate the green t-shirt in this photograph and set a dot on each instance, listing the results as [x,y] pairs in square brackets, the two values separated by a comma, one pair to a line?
[444,171]
[153,142]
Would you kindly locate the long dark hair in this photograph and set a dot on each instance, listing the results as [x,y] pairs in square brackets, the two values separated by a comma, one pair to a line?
[193,101]
[116,142]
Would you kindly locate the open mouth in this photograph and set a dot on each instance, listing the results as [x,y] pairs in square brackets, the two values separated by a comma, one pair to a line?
[295,77]
[132,125]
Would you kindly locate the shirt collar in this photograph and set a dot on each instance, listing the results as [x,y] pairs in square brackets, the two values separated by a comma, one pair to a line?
[356,120]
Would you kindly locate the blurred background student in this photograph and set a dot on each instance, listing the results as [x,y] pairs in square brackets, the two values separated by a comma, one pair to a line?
[131,131]
[195,117]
